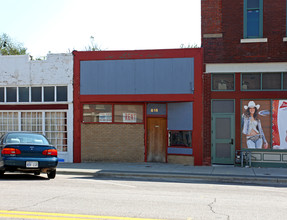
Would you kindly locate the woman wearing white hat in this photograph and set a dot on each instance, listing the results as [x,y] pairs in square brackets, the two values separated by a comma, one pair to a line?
[252,127]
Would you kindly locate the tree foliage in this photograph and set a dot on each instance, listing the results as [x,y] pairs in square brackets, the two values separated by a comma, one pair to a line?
[189,46]
[10,47]
[93,46]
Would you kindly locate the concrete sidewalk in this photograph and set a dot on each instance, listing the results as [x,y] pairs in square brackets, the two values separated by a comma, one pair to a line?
[162,170]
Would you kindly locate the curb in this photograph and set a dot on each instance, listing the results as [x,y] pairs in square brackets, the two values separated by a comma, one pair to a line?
[186,177]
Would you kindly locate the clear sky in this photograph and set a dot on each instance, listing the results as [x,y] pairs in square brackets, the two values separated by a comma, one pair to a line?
[60,26]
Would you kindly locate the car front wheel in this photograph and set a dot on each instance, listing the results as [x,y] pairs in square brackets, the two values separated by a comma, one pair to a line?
[52,174]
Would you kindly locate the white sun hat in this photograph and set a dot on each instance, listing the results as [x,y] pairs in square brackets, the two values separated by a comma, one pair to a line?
[251,104]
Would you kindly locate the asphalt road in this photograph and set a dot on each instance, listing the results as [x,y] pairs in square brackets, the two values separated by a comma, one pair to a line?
[82,197]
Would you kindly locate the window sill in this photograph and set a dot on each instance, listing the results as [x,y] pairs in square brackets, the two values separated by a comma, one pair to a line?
[284,39]
[254,40]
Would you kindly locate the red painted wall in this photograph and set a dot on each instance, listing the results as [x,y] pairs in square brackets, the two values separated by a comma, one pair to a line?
[227,19]
[196,53]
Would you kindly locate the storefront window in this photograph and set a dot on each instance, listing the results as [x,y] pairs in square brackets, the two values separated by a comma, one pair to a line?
[222,81]
[11,94]
[1,94]
[285,81]
[62,93]
[271,81]
[49,94]
[179,138]
[36,94]
[251,81]
[97,113]
[52,124]
[264,81]
[128,113]
[55,129]
[23,94]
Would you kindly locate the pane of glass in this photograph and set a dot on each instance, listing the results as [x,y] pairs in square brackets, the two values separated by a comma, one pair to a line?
[252,3]
[222,81]
[8,121]
[129,113]
[61,93]
[97,113]
[223,130]
[1,94]
[36,94]
[252,23]
[49,94]
[271,81]
[23,94]
[11,94]
[180,138]
[251,81]
[223,150]
[222,106]
[31,121]
[284,80]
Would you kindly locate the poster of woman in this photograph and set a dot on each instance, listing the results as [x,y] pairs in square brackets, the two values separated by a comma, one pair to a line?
[279,124]
[254,121]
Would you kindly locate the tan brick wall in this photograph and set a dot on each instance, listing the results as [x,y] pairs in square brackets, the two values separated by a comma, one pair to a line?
[112,142]
[186,160]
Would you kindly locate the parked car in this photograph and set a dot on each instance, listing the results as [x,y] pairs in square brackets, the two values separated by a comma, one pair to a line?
[27,152]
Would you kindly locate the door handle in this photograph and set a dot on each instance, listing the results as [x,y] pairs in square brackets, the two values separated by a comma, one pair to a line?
[231,142]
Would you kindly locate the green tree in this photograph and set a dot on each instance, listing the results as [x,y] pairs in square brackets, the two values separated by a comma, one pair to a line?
[10,47]
[93,46]
[189,46]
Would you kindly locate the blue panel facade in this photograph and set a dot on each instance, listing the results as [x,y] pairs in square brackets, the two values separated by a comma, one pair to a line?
[180,116]
[140,76]
[183,151]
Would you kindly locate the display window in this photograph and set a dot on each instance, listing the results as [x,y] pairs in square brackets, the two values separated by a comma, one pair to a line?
[179,138]
[112,113]
[223,82]
[275,81]
[128,113]
[97,113]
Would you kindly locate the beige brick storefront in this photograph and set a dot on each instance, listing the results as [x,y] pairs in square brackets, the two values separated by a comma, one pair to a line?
[112,142]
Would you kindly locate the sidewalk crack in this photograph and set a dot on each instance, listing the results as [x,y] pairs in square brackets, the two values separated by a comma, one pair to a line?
[210,205]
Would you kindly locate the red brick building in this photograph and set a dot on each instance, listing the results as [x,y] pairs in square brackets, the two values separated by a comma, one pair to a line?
[245,57]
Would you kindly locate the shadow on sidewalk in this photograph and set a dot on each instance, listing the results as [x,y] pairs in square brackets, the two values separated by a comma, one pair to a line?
[199,180]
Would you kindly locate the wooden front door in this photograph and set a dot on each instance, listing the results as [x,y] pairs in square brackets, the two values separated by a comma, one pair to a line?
[156,139]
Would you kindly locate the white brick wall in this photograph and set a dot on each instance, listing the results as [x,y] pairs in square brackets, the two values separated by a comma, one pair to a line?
[19,70]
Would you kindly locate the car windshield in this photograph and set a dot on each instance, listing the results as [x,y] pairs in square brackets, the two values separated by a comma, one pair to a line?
[26,139]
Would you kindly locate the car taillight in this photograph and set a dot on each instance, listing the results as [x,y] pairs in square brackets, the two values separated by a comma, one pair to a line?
[50,152]
[10,151]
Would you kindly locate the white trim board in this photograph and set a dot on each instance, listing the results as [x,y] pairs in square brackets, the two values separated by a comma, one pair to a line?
[246,67]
